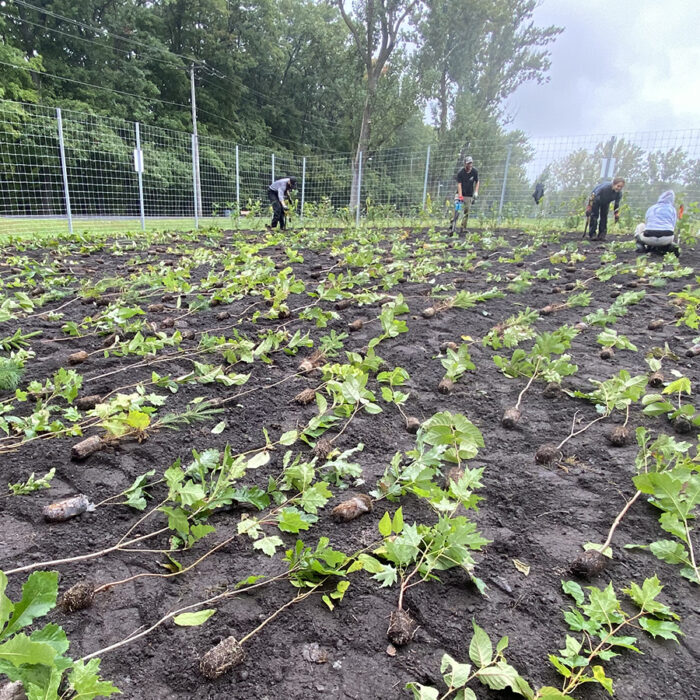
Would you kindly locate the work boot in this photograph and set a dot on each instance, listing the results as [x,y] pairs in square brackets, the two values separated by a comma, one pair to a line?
[640,247]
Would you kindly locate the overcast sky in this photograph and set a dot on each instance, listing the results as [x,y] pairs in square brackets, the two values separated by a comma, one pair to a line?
[619,66]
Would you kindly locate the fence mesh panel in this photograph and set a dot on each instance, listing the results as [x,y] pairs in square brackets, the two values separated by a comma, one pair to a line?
[103,184]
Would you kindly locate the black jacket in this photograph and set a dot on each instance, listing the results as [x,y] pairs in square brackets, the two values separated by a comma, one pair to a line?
[605,194]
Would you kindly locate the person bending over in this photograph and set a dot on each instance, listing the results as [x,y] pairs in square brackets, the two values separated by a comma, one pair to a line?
[278,194]
[598,205]
[656,233]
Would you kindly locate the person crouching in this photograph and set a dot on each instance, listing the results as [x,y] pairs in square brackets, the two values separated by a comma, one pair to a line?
[656,233]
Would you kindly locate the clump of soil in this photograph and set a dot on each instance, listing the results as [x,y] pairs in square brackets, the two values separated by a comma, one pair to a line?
[356,325]
[221,658]
[511,416]
[607,354]
[352,508]
[323,448]
[77,358]
[656,380]
[78,597]
[588,564]
[619,436]
[428,313]
[305,397]
[446,386]
[66,509]
[551,391]
[546,453]
[402,627]
[412,424]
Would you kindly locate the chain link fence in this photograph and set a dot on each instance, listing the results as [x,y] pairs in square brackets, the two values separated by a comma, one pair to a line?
[66,169]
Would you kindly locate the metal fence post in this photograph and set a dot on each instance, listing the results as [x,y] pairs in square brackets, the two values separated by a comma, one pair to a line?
[194,181]
[273,167]
[238,184]
[64,170]
[425,179]
[303,184]
[505,179]
[359,188]
[138,162]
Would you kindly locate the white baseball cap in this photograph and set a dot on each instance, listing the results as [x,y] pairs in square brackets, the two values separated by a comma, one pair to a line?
[468,159]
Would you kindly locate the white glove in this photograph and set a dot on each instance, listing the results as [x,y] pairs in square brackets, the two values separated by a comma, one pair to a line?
[475,195]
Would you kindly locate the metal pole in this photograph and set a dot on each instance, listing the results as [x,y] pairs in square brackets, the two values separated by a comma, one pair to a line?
[197,179]
[139,170]
[505,179]
[425,179]
[194,181]
[303,184]
[273,167]
[359,188]
[238,185]
[64,170]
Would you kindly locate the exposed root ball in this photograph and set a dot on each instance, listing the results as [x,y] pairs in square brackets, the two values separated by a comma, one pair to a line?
[682,425]
[168,322]
[310,363]
[12,691]
[581,326]
[85,403]
[656,379]
[656,324]
[445,386]
[66,509]
[223,315]
[188,334]
[607,354]
[78,597]
[412,424]
[511,416]
[692,352]
[546,453]
[155,308]
[402,627]
[619,436]
[77,358]
[428,313]
[86,447]
[453,476]
[588,564]
[352,508]
[343,304]
[323,448]
[305,397]
[356,325]
[546,310]
[551,391]
[221,658]
[570,286]
[449,345]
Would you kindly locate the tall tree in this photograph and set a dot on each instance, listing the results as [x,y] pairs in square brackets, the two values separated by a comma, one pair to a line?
[375,26]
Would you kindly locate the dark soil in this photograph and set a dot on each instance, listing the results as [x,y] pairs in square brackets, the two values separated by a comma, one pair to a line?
[538,514]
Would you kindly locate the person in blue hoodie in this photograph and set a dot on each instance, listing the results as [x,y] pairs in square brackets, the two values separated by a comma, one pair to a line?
[657,231]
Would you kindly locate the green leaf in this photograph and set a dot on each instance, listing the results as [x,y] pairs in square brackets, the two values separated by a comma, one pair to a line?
[268,545]
[397,521]
[292,520]
[385,525]
[38,597]
[502,645]
[666,629]
[599,675]
[549,693]
[370,564]
[85,681]
[138,420]
[194,619]
[289,438]
[498,676]
[574,590]
[423,692]
[459,673]
[20,650]
[315,497]
[480,648]
[219,427]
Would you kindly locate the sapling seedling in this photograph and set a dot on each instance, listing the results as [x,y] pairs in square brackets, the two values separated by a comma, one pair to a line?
[456,364]
[580,299]
[539,363]
[683,416]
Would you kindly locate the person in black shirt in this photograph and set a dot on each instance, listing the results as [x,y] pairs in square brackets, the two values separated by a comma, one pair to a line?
[467,187]
[599,204]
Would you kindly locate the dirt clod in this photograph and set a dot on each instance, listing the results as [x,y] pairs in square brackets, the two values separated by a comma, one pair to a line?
[155,308]
[656,379]
[588,564]
[551,391]
[85,403]
[682,425]
[546,453]
[446,386]
[352,508]
[402,627]
[428,312]
[323,448]
[78,597]
[77,358]
[343,304]
[606,354]
[619,436]
[412,425]
[510,419]
[305,397]
[221,658]
[168,322]
[656,324]
[356,325]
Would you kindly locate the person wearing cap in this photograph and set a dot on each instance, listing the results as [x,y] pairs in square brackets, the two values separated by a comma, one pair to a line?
[656,234]
[278,193]
[599,203]
[467,187]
